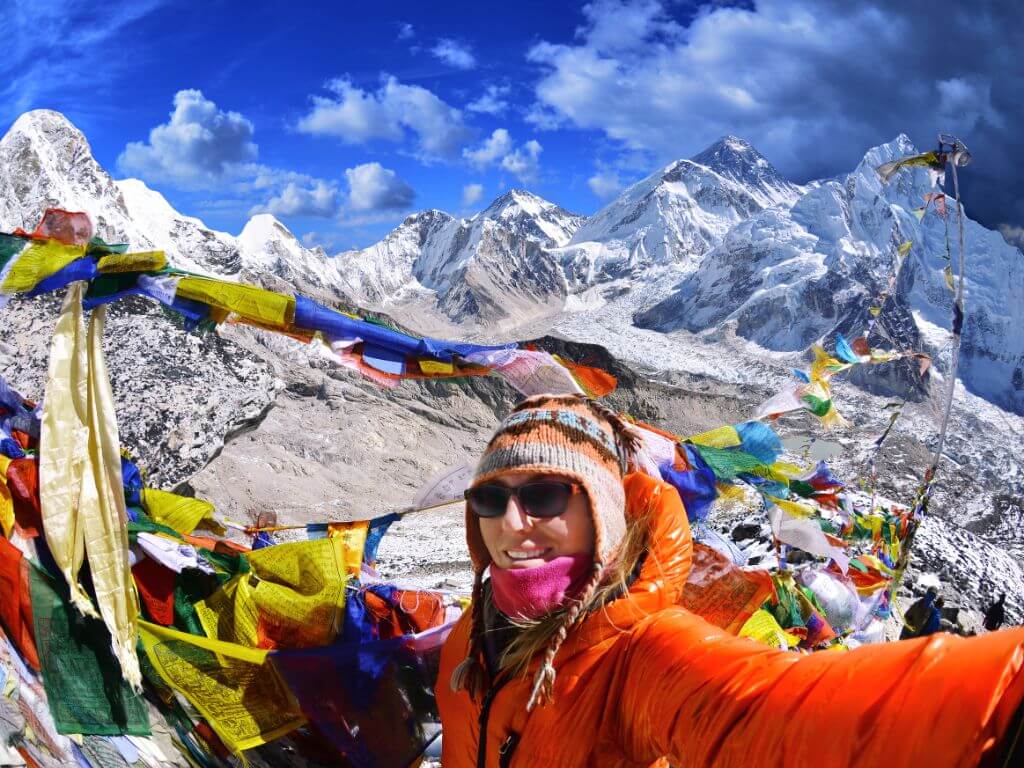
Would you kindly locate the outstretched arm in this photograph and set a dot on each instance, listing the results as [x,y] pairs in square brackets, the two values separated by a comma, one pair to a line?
[705,698]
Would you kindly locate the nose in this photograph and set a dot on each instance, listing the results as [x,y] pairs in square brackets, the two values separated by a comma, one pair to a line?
[515,519]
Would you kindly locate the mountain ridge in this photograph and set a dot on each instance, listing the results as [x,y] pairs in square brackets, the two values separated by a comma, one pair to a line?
[205,411]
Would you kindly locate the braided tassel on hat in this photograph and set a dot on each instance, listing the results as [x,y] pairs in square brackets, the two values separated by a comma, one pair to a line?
[544,681]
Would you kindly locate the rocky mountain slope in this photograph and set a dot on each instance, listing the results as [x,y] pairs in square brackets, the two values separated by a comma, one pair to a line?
[493,271]
[256,421]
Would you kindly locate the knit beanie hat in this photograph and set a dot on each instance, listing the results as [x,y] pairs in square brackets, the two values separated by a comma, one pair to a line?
[562,435]
[573,437]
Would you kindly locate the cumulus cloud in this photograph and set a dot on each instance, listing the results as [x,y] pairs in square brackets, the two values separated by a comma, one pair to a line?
[373,187]
[406,31]
[812,83]
[524,162]
[357,116]
[605,184]
[318,200]
[199,144]
[329,242]
[494,101]
[454,53]
[494,147]
[499,149]
[471,194]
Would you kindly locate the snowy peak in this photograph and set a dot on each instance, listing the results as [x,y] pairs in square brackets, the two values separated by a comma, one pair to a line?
[533,217]
[45,162]
[263,230]
[53,135]
[668,221]
[736,159]
[268,247]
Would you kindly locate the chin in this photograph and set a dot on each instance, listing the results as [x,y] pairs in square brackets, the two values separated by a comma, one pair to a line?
[523,564]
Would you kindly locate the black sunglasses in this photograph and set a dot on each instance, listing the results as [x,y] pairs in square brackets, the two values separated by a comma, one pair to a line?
[544,498]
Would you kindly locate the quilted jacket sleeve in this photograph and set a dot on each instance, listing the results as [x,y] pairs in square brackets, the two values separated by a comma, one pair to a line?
[705,698]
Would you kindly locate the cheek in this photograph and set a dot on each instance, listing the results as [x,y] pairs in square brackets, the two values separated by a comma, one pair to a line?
[576,528]
[490,532]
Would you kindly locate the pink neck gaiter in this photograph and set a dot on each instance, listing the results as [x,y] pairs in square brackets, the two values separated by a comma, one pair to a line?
[530,593]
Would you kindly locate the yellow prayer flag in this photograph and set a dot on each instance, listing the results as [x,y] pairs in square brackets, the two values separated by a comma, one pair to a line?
[435,366]
[904,248]
[353,539]
[144,261]
[243,698]
[793,508]
[876,311]
[37,262]
[247,301]
[292,597]
[722,437]
[763,628]
[947,272]
[6,506]
[181,513]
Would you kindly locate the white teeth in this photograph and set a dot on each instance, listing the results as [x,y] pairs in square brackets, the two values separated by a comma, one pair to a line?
[524,554]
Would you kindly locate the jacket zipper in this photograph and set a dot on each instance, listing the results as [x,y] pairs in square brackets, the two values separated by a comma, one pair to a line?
[485,713]
[508,746]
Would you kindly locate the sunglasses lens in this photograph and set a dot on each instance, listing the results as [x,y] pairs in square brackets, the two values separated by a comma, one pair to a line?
[546,499]
[488,500]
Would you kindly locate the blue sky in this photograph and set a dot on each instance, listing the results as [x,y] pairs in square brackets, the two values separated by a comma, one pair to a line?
[341,118]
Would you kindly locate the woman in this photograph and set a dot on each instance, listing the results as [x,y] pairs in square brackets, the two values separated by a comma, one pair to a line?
[575,653]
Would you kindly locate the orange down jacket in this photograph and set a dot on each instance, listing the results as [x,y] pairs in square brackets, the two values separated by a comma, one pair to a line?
[644,680]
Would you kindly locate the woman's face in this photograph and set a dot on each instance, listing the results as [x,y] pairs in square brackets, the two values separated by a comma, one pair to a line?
[516,540]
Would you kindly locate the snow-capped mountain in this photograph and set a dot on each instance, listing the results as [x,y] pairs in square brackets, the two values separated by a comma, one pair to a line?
[494,268]
[724,233]
[787,277]
[660,227]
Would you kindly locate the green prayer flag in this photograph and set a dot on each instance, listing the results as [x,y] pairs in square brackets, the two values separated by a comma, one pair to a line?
[818,406]
[83,682]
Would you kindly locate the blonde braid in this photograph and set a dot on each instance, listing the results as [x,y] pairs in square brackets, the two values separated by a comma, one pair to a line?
[469,674]
[544,681]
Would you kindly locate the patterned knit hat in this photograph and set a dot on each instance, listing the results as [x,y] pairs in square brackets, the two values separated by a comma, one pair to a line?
[564,435]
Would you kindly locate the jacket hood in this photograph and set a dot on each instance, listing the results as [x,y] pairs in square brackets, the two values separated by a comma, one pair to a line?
[663,574]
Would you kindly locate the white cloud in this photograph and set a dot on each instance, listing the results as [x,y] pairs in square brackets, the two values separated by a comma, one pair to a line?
[471,194]
[1013,235]
[605,184]
[328,241]
[357,116]
[454,53]
[494,147]
[967,102]
[492,102]
[320,200]
[792,75]
[200,144]
[373,187]
[618,27]
[524,162]
[406,31]
[499,149]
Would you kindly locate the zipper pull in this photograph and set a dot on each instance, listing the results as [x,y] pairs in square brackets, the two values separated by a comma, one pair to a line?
[508,746]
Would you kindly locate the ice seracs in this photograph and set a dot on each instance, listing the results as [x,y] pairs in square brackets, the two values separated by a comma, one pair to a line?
[787,277]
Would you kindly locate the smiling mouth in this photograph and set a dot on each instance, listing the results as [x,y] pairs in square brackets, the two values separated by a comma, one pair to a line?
[516,555]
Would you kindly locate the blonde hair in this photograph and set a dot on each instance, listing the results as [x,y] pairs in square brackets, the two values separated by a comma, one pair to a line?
[606,583]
